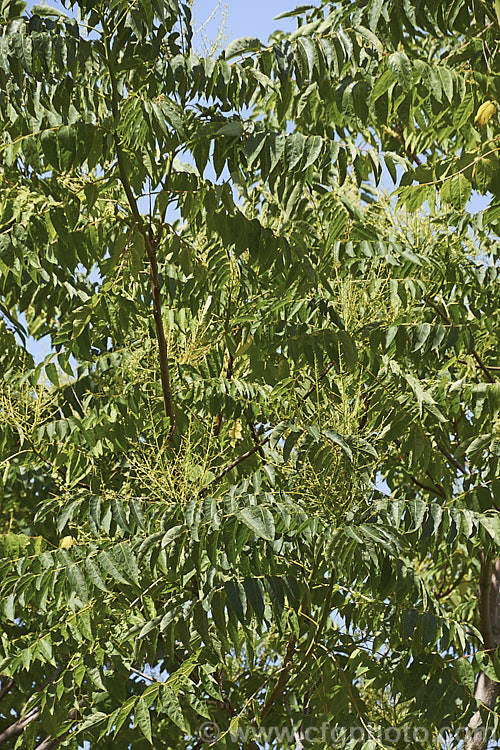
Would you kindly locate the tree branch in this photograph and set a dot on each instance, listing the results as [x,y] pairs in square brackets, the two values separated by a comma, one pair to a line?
[51,743]
[15,729]
[261,443]
[473,351]
[227,706]
[456,463]
[436,488]
[397,133]
[256,440]
[486,691]
[282,679]
[150,245]
[20,725]
[6,688]
[485,603]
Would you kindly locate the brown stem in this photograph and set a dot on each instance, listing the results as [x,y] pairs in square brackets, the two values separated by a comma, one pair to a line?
[15,729]
[475,354]
[256,440]
[6,688]
[483,367]
[458,580]
[282,679]
[227,706]
[397,133]
[19,726]
[486,691]
[452,459]
[240,459]
[315,385]
[485,625]
[160,333]
[229,375]
[50,743]
[436,488]
[150,245]
[262,442]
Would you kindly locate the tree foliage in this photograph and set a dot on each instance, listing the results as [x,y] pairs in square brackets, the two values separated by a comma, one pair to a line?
[255,482]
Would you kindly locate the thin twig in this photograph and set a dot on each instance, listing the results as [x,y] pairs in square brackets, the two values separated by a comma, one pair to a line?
[255,438]
[261,443]
[473,351]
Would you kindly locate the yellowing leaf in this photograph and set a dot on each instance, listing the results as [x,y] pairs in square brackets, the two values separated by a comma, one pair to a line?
[484,114]
[66,542]
[236,433]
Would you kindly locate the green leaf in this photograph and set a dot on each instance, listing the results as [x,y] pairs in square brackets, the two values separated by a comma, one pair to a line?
[143,719]
[107,562]
[240,46]
[312,150]
[349,350]
[47,11]
[307,50]
[172,708]
[492,525]
[457,191]
[52,374]
[334,437]
[400,67]
[299,10]
[172,534]
[422,332]
[95,574]
[236,596]
[254,591]
[232,129]
[137,251]
[259,520]
[75,576]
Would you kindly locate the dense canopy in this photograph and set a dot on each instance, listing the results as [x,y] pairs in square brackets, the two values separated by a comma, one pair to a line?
[250,497]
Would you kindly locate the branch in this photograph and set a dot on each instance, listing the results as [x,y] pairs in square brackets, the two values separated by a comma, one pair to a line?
[458,580]
[229,375]
[19,726]
[261,443]
[315,385]
[484,602]
[150,245]
[256,440]
[397,133]
[473,351]
[160,333]
[486,691]
[456,463]
[436,488]
[6,688]
[282,679]
[51,743]
[483,367]
[227,706]
[240,459]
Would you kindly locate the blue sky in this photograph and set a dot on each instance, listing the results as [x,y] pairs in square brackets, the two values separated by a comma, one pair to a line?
[245,17]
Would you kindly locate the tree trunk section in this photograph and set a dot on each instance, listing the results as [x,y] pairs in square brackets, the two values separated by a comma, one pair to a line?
[486,691]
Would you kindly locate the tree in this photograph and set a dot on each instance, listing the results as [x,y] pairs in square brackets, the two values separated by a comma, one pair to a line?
[254,484]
